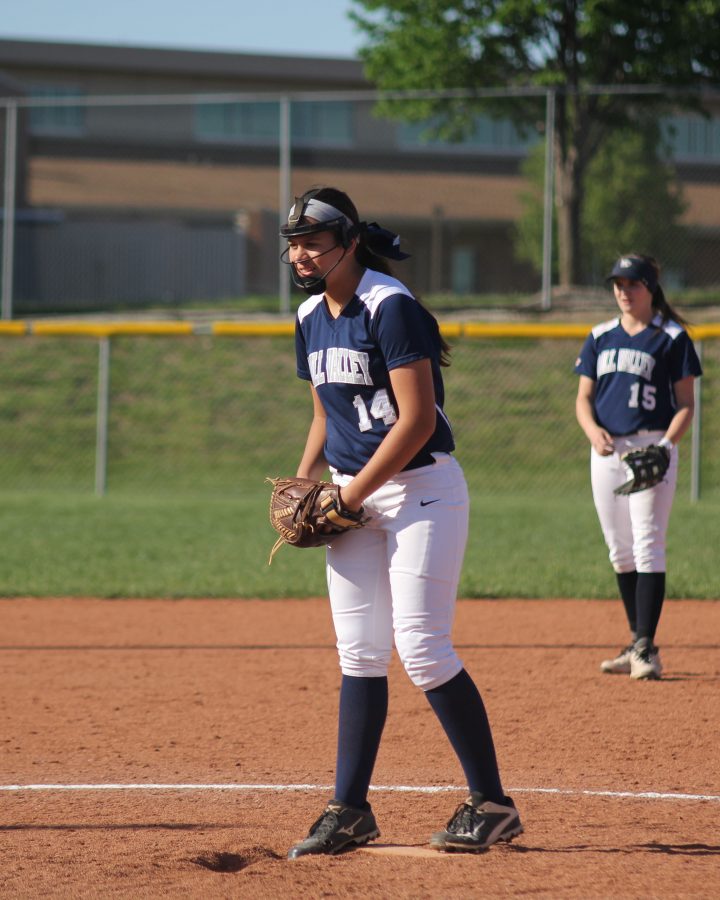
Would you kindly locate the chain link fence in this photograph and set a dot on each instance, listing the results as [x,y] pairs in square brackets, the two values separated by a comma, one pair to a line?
[123,203]
[213,414]
[128,202]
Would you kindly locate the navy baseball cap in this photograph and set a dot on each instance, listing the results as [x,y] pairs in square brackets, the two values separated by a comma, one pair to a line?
[635,269]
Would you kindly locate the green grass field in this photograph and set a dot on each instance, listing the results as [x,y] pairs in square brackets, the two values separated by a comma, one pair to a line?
[196,424]
[142,545]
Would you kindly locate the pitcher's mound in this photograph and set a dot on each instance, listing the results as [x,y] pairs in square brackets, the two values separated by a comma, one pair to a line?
[403,850]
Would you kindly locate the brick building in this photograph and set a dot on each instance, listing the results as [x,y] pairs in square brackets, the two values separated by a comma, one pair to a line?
[154,175]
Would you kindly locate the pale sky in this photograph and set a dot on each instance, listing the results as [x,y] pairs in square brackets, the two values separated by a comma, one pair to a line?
[310,28]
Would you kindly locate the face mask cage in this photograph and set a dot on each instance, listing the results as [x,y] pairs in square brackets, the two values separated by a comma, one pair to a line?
[314,284]
[297,226]
[285,255]
[326,217]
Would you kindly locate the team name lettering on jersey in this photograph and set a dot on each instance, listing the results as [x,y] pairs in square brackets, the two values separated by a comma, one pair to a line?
[342,366]
[636,362]
[606,362]
[315,366]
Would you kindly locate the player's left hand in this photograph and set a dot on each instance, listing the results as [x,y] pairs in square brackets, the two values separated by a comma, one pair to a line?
[644,468]
[308,513]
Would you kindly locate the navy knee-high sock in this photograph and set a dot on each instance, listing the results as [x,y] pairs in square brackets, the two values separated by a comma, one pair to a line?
[361,719]
[649,599]
[461,711]
[627,583]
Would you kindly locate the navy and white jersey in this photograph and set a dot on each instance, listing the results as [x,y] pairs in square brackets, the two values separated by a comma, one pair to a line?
[635,374]
[349,359]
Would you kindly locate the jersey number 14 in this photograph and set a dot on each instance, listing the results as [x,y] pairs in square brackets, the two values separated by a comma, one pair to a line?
[380,408]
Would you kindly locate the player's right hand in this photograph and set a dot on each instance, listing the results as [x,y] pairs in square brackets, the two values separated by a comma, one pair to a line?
[602,443]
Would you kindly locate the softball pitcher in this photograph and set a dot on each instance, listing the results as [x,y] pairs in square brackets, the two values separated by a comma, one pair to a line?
[637,375]
[373,355]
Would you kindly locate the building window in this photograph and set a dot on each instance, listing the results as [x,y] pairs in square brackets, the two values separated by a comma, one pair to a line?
[487,136]
[462,270]
[57,118]
[692,137]
[251,122]
[319,123]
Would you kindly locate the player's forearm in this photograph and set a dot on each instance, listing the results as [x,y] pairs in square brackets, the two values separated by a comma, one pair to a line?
[680,423]
[313,463]
[585,416]
[400,445]
[600,439]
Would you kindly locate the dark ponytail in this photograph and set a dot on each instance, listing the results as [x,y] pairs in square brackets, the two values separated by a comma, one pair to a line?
[659,300]
[666,311]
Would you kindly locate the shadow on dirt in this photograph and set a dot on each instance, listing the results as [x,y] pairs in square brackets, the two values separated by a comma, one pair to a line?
[219,861]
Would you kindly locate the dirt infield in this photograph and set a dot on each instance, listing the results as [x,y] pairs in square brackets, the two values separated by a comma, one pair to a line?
[177,748]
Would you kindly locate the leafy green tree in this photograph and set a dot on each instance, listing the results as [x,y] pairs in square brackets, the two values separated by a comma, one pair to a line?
[631,202]
[565,46]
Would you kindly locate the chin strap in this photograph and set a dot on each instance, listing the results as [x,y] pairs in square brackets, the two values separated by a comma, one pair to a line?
[314,284]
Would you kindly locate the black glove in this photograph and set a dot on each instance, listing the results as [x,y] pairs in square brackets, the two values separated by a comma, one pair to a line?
[645,468]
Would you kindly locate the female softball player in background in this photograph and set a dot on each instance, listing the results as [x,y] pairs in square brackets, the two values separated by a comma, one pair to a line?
[372,354]
[637,376]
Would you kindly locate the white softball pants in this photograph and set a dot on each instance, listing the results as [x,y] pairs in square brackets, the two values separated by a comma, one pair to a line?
[634,526]
[395,580]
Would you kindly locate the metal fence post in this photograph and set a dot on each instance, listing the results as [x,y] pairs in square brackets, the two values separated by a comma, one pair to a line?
[103,407]
[548,200]
[284,273]
[695,438]
[8,241]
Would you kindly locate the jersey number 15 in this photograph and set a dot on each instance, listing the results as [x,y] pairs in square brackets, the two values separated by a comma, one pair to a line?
[648,396]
